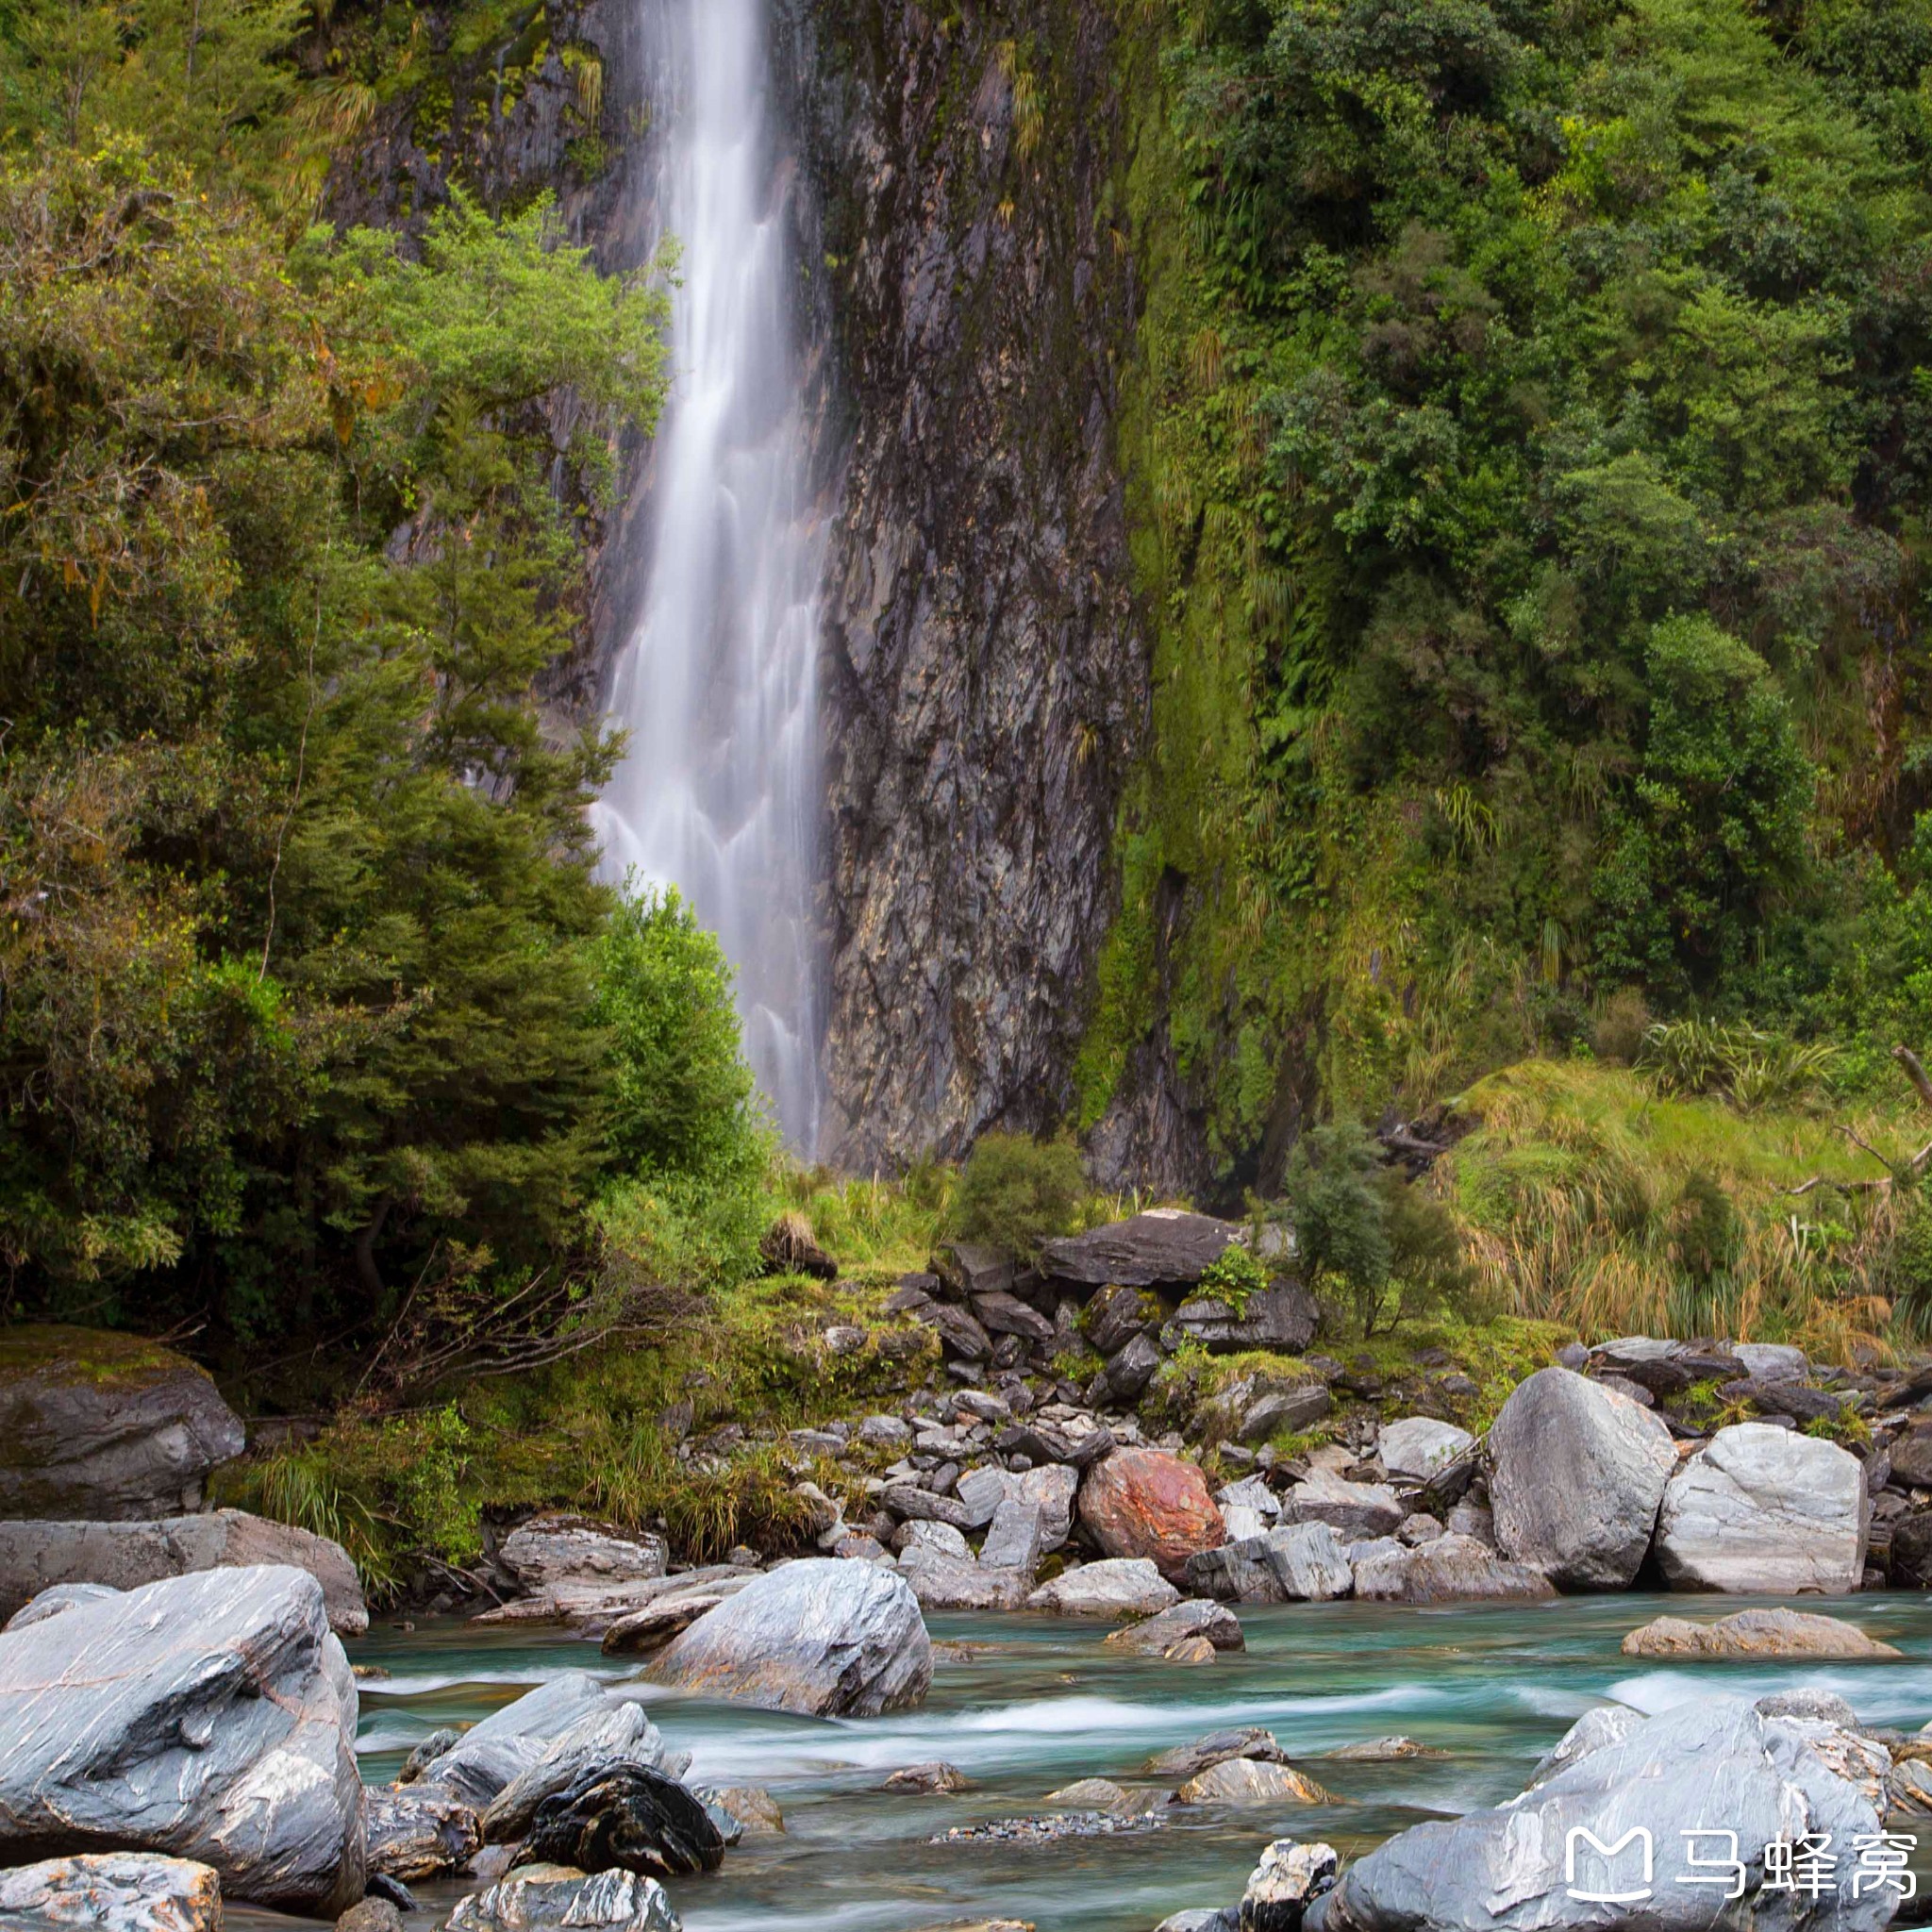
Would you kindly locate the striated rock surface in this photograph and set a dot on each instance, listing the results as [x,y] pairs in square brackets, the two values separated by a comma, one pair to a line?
[1162,1247]
[414,1834]
[823,1637]
[1289,1878]
[1577,1473]
[211,1717]
[1120,1587]
[105,1427]
[39,1556]
[1756,1633]
[1765,1510]
[1147,1503]
[625,1818]
[112,1891]
[1449,1569]
[1194,1618]
[551,1898]
[563,1549]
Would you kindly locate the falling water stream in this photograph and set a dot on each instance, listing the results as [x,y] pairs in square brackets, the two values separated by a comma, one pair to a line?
[1029,1703]
[718,794]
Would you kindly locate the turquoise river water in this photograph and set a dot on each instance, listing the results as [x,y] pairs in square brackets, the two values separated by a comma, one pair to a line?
[1037,1701]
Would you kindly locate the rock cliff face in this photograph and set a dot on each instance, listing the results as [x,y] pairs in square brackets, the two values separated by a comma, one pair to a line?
[984,673]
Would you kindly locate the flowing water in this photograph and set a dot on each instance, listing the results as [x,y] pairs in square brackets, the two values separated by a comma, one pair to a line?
[1038,1703]
[719,794]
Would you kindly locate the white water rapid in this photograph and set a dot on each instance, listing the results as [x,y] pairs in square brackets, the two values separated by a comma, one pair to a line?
[719,791]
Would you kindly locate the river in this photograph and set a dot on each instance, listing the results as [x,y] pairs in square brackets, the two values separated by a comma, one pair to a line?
[1038,1703]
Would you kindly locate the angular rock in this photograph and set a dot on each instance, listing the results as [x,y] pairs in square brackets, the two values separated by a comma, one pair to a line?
[910,1502]
[211,1717]
[50,1603]
[885,1432]
[105,1427]
[1121,1586]
[1607,1723]
[426,1750]
[1299,1562]
[1282,1319]
[606,1738]
[975,1268]
[373,1915]
[625,1818]
[491,1755]
[941,1538]
[1351,1509]
[934,1779]
[559,1548]
[1201,1919]
[1251,1492]
[549,1898]
[960,1336]
[1756,1633]
[1006,1314]
[751,1807]
[1418,1446]
[1146,1503]
[1114,1317]
[653,1627]
[1195,1617]
[1577,1473]
[1794,1400]
[1911,1454]
[1217,1747]
[1767,1510]
[1251,1781]
[959,1583]
[1128,1371]
[1772,1362]
[36,1555]
[1015,1541]
[1162,1247]
[1284,1411]
[415,1835]
[113,1891]
[1450,1568]
[1714,1763]
[1289,1878]
[1041,1441]
[819,1637]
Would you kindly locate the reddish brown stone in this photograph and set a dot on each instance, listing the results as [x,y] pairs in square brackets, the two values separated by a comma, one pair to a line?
[1146,1503]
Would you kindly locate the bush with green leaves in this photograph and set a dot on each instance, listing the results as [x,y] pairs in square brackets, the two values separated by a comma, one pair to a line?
[1016,1191]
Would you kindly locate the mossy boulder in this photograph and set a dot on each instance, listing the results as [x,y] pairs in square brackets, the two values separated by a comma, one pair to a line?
[105,1426]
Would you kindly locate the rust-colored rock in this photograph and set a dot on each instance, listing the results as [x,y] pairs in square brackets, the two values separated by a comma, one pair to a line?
[1146,1503]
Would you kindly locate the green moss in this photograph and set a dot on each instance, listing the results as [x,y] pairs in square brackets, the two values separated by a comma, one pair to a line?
[91,1355]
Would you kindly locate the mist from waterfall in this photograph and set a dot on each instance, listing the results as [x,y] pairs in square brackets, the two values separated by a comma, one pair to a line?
[719,791]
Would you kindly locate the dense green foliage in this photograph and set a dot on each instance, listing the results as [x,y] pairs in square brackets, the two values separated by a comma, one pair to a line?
[1015,1193]
[299,967]
[1532,435]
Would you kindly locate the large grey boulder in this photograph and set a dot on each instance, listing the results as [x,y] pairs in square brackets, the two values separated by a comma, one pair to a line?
[1577,1473]
[490,1757]
[106,1426]
[39,1556]
[1117,1587]
[1300,1562]
[209,1717]
[549,1898]
[1715,1764]
[112,1891]
[1282,1318]
[946,1582]
[1162,1247]
[821,1636]
[1764,1509]
[609,1737]
[1449,1569]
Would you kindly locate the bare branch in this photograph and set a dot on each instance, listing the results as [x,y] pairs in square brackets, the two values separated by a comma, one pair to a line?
[1914,1071]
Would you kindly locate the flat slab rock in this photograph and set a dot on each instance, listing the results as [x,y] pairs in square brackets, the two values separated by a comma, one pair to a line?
[1117,1587]
[1161,1247]
[39,1556]
[211,1717]
[822,1638]
[105,1427]
[556,1548]
[1757,1633]
[113,1891]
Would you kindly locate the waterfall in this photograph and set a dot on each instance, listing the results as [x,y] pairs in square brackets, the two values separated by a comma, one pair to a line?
[719,791]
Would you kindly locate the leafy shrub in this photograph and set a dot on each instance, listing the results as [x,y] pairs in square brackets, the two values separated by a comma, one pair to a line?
[1620,1026]
[684,1230]
[1751,1069]
[1232,1277]
[1016,1192]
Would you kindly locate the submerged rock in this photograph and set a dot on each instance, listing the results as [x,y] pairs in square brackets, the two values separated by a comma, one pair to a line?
[211,1717]
[1760,1508]
[36,1556]
[549,1898]
[1120,1587]
[113,1891]
[820,1637]
[934,1779]
[1251,1781]
[1756,1633]
[1716,1763]
[1577,1473]
[1217,1747]
[1147,1503]
[625,1818]
[105,1427]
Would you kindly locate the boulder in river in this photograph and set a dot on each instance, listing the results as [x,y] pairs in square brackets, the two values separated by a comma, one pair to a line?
[819,1637]
[211,1717]
[1196,1617]
[628,1818]
[1449,1569]
[105,1427]
[1163,1247]
[606,1737]
[1577,1473]
[1756,1633]
[112,1891]
[1289,1878]
[491,1755]
[1120,1587]
[1715,1764]
[1188,1760]
[1147,1503]
[1251,1781]
[1300,1562]
[38,1555]
[549,1898]
[414,1834]
[1764,1509]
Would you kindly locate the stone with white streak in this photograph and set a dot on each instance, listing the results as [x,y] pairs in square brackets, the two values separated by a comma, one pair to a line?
[1418,1447]
[1767,1510]
[112,1891]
